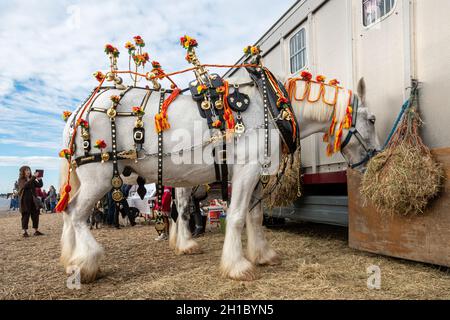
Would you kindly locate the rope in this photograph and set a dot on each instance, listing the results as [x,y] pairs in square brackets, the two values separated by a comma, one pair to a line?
[167,75]
[405,107]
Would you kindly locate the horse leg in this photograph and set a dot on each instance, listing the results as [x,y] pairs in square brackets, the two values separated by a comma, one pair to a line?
[184,242]
[258,250]
[233,264]
[68,233]
[87,252]
[173,233]
[67,241]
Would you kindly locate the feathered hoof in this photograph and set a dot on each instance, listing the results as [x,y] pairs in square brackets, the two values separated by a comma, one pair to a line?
[271,258]
[64,260]
[241,271]
[89,276]
[85,276]
[191,247]
[173,236]
[272,261]
[172,242]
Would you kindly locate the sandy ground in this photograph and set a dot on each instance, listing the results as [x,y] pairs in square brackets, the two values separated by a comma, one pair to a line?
[317,264]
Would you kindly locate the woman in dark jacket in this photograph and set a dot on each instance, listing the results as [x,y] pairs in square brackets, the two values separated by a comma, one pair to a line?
[27,199]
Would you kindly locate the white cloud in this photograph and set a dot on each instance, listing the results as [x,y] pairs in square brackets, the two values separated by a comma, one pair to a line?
[47,58]
[48,163]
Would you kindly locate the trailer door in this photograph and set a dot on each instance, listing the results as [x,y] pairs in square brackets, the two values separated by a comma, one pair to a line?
[381,56]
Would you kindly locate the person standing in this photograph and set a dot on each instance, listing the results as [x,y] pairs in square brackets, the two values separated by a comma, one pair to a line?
[51,196]
[199,194]
[28,200]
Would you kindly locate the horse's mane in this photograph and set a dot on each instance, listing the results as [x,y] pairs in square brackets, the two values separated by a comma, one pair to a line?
[320,101]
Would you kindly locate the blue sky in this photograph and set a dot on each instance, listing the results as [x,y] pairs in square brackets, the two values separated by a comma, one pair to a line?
[49,50]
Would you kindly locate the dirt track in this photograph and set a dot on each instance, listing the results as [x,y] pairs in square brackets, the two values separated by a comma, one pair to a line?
[317,264]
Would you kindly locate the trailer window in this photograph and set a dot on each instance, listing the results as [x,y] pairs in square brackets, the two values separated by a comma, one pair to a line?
[375,10]
[297,47]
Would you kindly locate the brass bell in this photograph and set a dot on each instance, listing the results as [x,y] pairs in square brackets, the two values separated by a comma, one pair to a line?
[206,105]
[85,134]
[156,85]
[265,178]
[239,128]
[105,157]
[110,76]
[285,115]
[118,80]
[139,123]
[116,182]
[219,104]
[111,112]
[117,195]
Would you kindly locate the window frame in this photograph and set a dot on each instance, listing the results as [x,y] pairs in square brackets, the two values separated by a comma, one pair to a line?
[289,56]
[378,20]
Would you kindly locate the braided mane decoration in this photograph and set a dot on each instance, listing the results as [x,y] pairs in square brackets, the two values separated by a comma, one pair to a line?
[327,102]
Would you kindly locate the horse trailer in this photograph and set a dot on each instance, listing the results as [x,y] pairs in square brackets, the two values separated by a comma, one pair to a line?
[389,43]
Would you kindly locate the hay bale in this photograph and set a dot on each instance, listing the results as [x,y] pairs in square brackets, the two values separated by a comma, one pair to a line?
[405,177]
[285,187]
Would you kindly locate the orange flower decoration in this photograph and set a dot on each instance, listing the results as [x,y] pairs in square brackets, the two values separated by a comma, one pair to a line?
[115,99]
[65,153]
[217,124]
[201,88]
[156,65]
[131,47]
[83,123]
[141,59]
[100,144]
[109,49]
[253,50]
[138,111]
[188,42]
[66,115]
[139,41]
[334,82]
[282,100]
[99,76]
[320,78]
[220,90]
[307,76]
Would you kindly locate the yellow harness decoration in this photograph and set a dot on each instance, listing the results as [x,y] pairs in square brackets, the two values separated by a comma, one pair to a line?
[327,102]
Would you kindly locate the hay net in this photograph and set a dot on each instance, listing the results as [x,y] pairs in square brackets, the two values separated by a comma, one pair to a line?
[404,177]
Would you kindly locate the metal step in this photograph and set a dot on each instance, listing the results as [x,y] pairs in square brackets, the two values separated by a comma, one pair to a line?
[332,210]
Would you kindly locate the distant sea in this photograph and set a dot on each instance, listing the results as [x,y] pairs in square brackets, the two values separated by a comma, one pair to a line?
[4,204]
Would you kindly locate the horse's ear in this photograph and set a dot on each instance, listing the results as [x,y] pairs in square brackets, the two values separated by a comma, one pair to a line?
[362,90]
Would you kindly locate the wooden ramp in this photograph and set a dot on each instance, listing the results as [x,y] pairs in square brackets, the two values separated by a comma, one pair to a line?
[420,238]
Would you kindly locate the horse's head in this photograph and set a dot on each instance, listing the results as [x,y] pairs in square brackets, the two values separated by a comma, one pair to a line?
[361,141]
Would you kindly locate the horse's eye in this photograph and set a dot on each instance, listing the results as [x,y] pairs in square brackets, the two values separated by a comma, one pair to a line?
[372,119]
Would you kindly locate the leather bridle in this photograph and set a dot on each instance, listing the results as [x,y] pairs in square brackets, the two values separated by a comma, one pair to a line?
[353,132]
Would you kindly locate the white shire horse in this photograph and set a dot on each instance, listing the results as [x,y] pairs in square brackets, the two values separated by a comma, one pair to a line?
[91,181]
[313,118]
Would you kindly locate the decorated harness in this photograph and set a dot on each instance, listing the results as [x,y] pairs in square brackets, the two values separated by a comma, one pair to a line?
[216,103]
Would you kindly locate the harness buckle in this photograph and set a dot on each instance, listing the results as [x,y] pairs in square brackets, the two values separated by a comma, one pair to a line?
[222,156]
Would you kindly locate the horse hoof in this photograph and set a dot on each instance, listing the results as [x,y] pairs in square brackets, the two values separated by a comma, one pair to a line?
[241,271]
[275,261]
[192,248]
[89,277]
[270,259]
[84,276]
